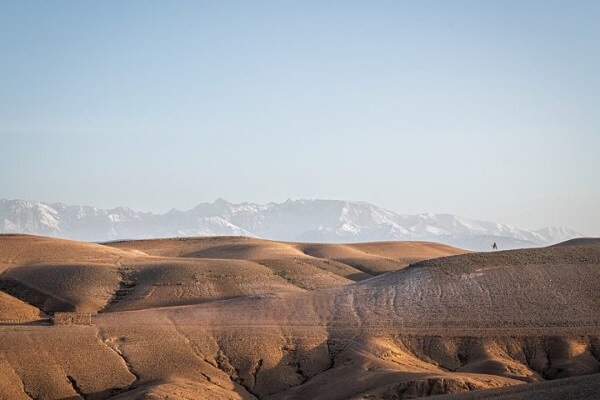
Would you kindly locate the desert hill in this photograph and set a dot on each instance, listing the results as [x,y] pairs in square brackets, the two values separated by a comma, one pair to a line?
[581,388]
[352,259]
[580,242]
[18,250]
[466,322]
[62,275]
[222,318]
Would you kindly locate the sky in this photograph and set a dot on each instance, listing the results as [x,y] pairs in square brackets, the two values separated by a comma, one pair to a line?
[484,109]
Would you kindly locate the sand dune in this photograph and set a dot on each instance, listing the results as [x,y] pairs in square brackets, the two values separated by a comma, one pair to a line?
[221,318]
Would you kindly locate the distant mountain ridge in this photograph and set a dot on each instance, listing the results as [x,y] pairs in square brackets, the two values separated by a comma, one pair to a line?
[293,220]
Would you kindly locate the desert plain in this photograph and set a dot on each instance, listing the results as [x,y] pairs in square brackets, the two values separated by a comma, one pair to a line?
[242,318]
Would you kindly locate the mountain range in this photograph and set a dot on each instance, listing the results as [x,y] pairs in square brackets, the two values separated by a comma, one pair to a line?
[293,220]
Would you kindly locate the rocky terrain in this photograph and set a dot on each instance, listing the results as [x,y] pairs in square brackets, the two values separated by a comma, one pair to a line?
[243,318]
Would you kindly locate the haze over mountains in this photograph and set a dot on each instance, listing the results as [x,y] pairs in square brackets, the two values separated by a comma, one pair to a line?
[332,221]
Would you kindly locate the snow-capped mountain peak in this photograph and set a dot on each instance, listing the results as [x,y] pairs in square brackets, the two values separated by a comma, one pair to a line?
[293,220]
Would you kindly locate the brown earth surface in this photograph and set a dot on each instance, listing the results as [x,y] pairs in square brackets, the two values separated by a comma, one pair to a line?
[241,318]
[584,387]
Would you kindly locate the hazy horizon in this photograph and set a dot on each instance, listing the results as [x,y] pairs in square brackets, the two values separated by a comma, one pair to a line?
[165,211]
[487,110]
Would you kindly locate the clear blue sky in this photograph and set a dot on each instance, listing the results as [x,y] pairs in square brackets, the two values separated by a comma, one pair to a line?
[487,109]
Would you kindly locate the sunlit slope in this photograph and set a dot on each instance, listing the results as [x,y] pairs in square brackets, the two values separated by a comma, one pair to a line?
[51,362]
[60,275]
[456,324]
[521,288]
[19,250]
[161,282]
[579,388]
[190,326]
[361,259]
[13,310]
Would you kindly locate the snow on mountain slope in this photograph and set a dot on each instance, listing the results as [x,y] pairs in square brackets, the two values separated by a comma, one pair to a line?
[299,220]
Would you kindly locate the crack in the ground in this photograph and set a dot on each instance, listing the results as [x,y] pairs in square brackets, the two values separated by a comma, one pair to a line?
[225,365]
[127,284]
[300,372]
[240,382]
[329,343]
[198,354]
[210,380]
[333,349]
[27,393]
[121,355]
[292,351]
[76,387]
[257,368]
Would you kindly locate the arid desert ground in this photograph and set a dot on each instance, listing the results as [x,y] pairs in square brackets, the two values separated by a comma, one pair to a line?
[241,318]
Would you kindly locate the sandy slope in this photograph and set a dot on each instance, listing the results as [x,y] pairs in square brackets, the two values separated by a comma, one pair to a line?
[52,362]
[13,310]
[580,242]
[372,258]
[61,275]
[461,323]
[581,388]
[238,327]
[17,250]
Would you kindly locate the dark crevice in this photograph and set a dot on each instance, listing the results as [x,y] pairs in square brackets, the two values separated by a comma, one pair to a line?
[292,351]
[127,284]
[210,380]
[300,372]
[129,367]
[225,365]
[27,393]
[257,368]
[198,354]
[330,353]
[125,359]
[76,387]
[240,382]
